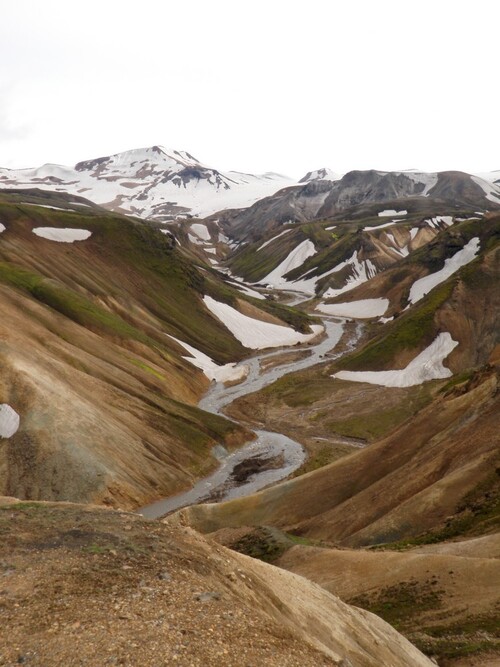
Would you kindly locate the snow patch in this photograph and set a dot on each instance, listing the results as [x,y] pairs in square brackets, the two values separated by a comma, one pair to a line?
[424,285]
[364,308]
[413,232]
[428,365]
[253,333]
[295,259]
[327,229]
[391,211]
[491,191]
[54,208]
[9,421]
[434,222]
[273,239]
[227,373]
[201,231]
[363,271]
[247,290]
[62,234]
[386,224]
[2,228]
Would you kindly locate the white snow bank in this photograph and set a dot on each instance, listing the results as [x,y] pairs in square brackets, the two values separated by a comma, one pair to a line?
[273,239]
[428,365]
[391,211]
[247,290]
[424,285]
[363,270]
[201,231]
[295,259]
[434,222]
[212,251]
[253,333]
[491,191]
[54,208]
[194,239]
[2,228]
[327,229]
[213,371]
[386,224]
[62,235]
[364,308]
[9,421]
[413,232]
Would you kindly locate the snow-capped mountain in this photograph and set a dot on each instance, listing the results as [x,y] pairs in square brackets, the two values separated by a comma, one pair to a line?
[151,183]
[323,174]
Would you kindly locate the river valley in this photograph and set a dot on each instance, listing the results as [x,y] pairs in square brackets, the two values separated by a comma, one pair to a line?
[270,457]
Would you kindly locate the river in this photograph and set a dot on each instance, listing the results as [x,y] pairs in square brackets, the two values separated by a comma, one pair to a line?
[282,453]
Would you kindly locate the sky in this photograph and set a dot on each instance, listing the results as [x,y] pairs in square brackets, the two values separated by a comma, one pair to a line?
[258,86]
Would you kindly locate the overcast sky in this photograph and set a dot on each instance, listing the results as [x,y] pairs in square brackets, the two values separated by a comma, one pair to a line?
[255,85]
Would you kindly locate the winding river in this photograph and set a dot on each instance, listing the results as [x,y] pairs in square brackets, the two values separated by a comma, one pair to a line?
[268,445]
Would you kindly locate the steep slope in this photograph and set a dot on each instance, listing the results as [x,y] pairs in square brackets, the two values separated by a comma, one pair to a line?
[106,399]
[152,183]
[161,593]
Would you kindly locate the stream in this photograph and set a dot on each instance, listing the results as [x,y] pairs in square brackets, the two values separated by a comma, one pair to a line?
[275,453]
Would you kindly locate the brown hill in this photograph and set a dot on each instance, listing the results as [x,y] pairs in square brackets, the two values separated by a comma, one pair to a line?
[107,403]
[162,594]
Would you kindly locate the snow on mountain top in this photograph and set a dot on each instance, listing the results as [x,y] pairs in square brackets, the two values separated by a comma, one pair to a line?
[491,190]
[154,182]
[323,174]
[491,176]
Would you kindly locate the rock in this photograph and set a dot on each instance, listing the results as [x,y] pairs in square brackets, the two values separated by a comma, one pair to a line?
[165,576]
[208,596]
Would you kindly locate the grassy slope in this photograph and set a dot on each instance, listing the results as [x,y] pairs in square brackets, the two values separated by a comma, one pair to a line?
[102,308]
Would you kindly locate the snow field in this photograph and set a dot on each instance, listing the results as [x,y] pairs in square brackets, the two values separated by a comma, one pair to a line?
[62,235]
[424,285]
[295,259]
[391,211]
[362,309]
[255,334]
[227,373]
[428,365]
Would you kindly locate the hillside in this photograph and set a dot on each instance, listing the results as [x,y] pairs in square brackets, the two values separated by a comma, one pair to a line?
[398,459]
[161,593]
[106,399]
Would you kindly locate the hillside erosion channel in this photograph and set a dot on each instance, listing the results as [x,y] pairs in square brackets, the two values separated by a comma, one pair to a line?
[272,456]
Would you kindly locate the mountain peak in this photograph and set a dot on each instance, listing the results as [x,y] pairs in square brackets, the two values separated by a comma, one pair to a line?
[323,174]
